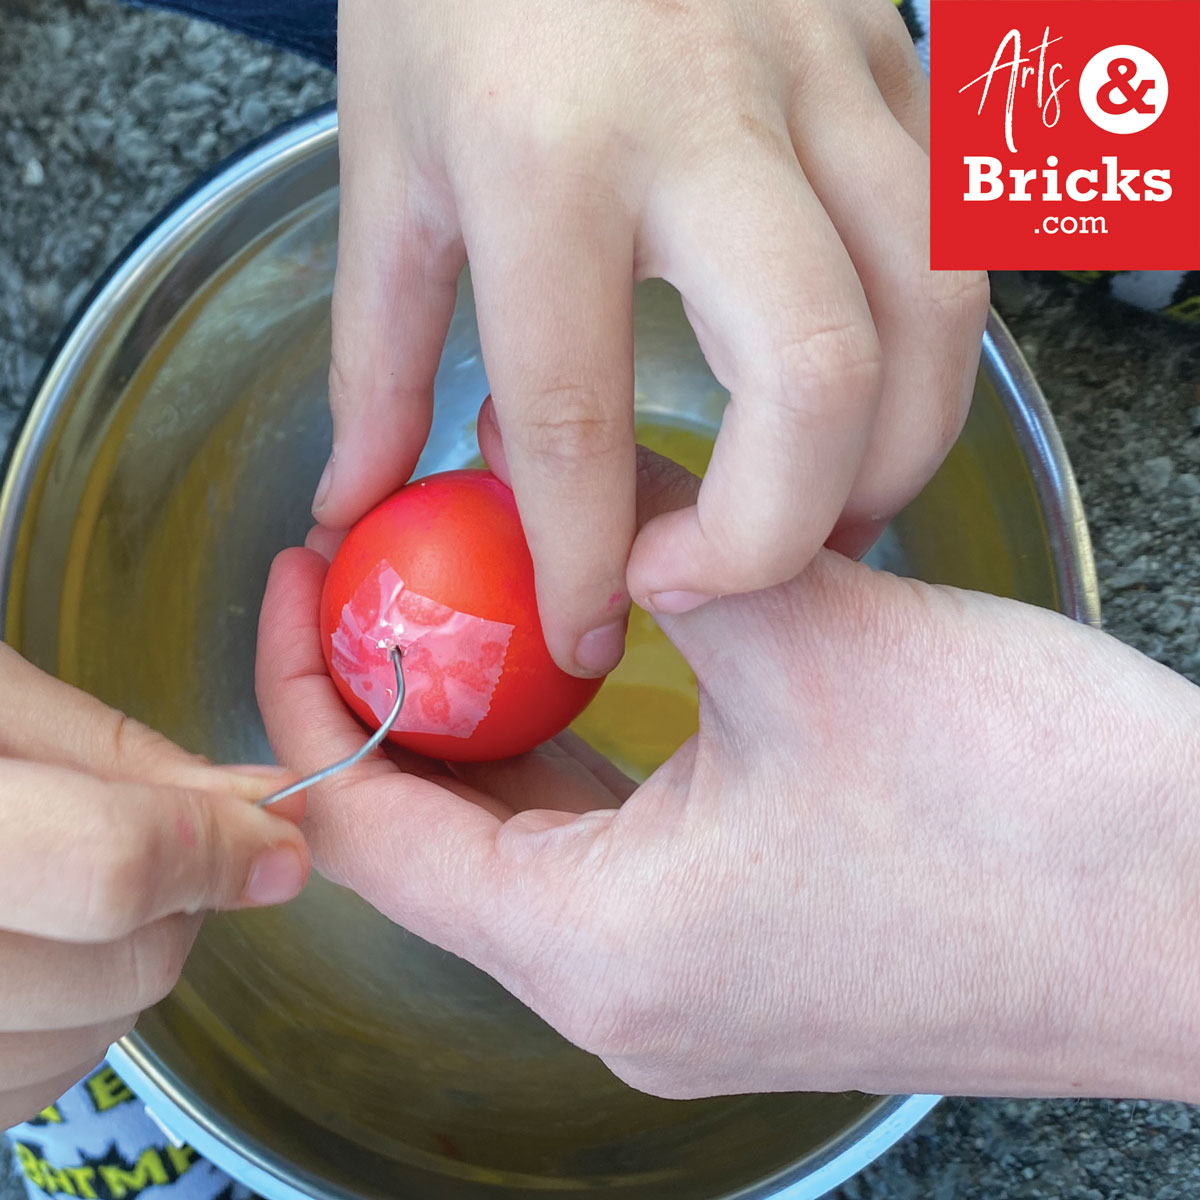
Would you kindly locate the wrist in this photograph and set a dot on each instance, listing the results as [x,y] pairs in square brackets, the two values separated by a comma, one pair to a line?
[1129,1019]
[1068,955]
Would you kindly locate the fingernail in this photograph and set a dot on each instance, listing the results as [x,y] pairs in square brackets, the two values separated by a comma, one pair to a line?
[600,650]
[487,414]
[854,541]
[323,486]
[277,875]
[324,541]
[674,603]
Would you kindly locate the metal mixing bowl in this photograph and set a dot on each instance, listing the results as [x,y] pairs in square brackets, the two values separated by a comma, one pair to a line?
[317,1050]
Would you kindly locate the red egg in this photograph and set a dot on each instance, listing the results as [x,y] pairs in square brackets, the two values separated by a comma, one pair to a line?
[442,570]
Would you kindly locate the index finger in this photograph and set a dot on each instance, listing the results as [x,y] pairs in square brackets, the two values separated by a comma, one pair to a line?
[45,720]
[552,265]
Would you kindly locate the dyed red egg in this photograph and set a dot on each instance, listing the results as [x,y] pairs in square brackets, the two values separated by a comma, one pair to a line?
[442,570]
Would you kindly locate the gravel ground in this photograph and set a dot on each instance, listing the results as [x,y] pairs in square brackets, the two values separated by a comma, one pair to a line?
[106,113]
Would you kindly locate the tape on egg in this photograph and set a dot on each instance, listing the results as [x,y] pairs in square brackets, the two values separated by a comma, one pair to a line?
[452,660]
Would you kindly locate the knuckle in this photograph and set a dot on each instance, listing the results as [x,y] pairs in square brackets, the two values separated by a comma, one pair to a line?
[114,879]
[814,39]
[547,135]
[890,52]
[360,378]
[563,155]
[140,751]
[339,380]
[955,299]
[123,735]
[762,563]
[748,554]
[211,849]
[899,78]
[745,557]
[957,302]
[719,54]
[828,371]
[565,423]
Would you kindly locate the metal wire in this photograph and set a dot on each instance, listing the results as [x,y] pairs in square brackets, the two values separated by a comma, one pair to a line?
[375,740]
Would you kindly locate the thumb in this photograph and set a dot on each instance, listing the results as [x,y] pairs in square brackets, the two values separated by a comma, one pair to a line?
[663,486]
[728,641]
[130,854]
[202,851]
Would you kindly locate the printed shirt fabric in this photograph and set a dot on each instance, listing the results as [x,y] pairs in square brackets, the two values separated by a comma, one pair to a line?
[98,1143]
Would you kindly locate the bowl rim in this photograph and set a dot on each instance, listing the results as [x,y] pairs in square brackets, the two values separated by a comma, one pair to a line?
[230,182]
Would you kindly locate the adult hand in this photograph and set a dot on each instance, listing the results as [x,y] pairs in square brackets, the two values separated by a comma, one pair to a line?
[766,157]
[925,840]
[113,842]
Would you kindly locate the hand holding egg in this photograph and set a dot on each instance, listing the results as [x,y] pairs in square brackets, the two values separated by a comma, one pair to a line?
[855,876]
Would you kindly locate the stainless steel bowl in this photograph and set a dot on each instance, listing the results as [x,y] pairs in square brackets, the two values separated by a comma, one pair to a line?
[317,1050]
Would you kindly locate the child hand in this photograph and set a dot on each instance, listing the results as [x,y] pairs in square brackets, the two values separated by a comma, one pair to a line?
[766,157]
[925,840]
[113,842]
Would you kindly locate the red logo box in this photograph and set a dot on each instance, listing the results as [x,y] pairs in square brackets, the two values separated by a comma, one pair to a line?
[1065,134]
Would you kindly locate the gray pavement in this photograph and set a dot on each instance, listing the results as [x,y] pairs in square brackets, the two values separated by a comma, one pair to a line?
[107,112]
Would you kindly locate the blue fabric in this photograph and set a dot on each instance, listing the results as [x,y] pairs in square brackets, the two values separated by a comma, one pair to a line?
[98,1143]
[308,27]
